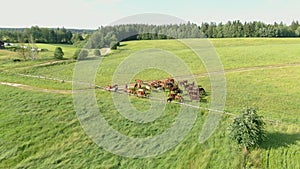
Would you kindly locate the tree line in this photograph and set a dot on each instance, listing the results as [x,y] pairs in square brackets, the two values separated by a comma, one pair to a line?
[37,34]
[238,29]
[110,36]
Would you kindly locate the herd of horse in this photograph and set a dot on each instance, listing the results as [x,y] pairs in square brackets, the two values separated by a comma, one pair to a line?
[175,90]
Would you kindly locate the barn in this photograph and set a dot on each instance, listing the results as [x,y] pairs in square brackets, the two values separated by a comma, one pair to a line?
[2,45]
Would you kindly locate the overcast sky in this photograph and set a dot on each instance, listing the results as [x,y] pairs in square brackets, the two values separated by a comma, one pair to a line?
[94,13]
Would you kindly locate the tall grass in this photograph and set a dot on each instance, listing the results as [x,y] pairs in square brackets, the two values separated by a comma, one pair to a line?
[40,130]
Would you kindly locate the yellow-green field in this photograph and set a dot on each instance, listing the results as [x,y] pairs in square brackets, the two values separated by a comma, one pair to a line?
[40,129]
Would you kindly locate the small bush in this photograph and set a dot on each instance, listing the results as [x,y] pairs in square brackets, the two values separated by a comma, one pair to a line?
[58,53]
[16,60]
[248,129]
[97,52]
[81,54]
[12,48]
[76,54]
[114,45]
[44,50]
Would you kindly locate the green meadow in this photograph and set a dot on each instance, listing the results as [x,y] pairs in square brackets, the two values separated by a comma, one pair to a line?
[41,130]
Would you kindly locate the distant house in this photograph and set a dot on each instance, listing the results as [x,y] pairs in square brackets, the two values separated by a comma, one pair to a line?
[2,45]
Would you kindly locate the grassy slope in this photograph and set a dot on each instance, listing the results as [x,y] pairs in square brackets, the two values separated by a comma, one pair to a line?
[6,57]
[9,70]
[41,130]
[234,53]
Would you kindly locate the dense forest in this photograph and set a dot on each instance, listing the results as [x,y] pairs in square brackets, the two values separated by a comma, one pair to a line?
[109,36]
[40,35]
[250,29]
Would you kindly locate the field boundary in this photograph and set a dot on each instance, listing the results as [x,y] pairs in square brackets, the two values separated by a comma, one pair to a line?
[31,88]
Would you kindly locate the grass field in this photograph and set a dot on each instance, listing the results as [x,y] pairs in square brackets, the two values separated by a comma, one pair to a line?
[41,130]
[6,57]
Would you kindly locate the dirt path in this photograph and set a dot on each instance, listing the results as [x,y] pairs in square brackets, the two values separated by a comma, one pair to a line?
[237,70]
[26,87]
[43,64]
[105,51]
[46,78]
[279,66]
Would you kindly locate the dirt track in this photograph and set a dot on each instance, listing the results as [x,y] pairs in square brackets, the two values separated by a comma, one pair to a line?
[247,69]
[26,87]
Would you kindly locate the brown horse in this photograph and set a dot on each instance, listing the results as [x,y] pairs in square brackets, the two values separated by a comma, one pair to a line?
[178,97]
[141,93]
[171,80]
[171,98]
[112,88]
[139,81]
[175,89]
[174,97]
[108,88]
[130,91]
[137,86]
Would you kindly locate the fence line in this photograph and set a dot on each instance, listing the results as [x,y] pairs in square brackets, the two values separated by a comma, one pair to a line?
[158,99]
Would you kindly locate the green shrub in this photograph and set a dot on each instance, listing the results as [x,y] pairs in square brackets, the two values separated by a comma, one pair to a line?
[58,53]
[247,129]
[114,45]
[81,54]
[97,52]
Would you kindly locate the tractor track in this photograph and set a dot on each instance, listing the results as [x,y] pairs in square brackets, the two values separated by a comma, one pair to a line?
[246,69]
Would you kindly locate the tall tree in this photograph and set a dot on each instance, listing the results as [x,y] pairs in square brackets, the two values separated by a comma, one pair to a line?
[294,26]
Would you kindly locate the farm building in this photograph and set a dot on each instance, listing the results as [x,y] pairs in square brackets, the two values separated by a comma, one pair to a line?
[2,45]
